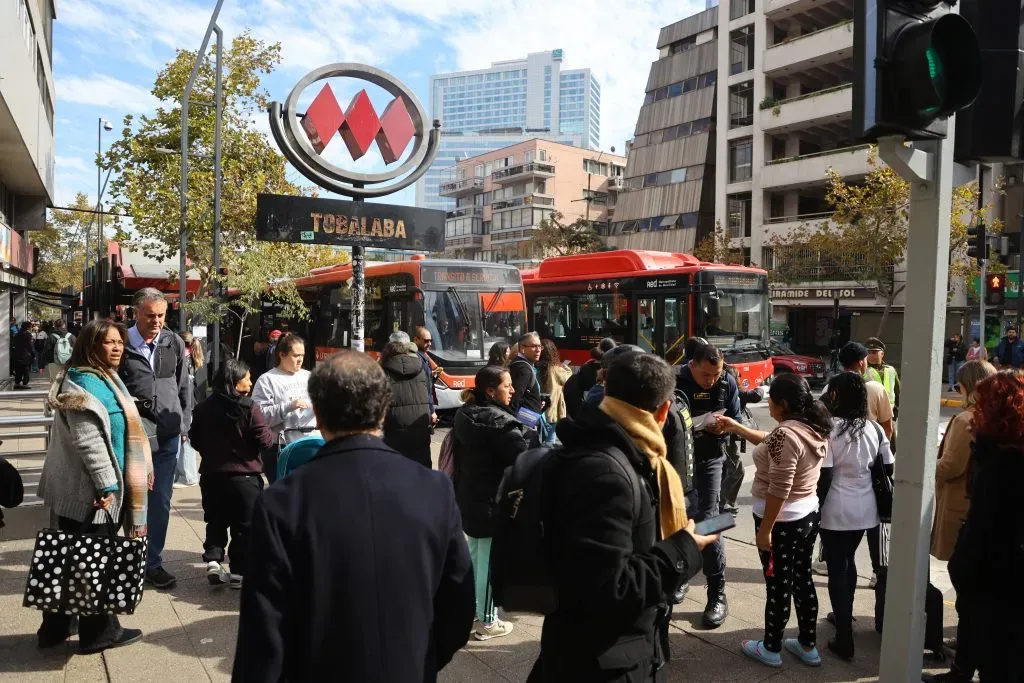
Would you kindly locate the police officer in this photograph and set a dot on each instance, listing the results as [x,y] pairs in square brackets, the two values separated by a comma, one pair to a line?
[886,375]
[708,388]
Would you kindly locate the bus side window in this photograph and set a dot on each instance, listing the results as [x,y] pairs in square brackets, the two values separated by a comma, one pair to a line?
[551,318]
[603,315]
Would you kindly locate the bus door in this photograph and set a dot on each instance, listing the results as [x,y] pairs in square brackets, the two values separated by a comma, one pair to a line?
[661,324]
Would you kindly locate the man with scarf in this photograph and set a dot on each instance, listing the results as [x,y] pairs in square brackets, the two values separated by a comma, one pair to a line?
[620,540]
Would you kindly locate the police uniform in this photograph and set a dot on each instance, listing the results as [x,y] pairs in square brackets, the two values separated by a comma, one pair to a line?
[678,432]
[709,460]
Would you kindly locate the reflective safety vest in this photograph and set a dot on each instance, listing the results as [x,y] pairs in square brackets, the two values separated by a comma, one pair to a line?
[887,378]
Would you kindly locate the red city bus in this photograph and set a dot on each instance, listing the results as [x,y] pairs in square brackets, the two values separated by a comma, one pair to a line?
[656,300]
[466,305]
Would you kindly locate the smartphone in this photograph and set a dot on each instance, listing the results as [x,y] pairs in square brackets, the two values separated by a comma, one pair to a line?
[715,525]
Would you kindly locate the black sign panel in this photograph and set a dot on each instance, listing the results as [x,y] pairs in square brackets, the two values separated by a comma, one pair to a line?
[469,275]
[337,222]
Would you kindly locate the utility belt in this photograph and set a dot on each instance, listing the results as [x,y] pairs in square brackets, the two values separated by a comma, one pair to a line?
[709,447]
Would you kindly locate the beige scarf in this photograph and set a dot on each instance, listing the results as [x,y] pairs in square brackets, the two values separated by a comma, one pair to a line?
[646,434]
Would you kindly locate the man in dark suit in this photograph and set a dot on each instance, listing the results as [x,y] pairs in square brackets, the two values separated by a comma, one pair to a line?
[523,370]
[360,570]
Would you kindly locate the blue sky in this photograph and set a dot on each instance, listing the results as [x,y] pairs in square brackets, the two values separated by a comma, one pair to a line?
[107,52]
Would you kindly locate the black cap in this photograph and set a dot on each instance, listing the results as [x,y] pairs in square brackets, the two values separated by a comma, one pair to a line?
[620,351]
[852,352]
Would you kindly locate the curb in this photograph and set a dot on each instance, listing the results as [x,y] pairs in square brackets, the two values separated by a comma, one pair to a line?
[951,402]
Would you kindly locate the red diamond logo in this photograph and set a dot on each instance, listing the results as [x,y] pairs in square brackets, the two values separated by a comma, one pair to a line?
[396,130]
[323,119]
[359,125]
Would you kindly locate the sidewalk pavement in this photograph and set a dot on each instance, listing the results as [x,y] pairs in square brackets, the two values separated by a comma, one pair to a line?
[190,630]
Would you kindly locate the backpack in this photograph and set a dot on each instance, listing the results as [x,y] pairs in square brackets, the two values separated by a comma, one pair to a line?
[62,349]
[522,576]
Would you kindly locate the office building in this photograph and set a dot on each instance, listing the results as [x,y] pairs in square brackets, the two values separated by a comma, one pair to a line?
[502,196]
[26,149]
[507,103]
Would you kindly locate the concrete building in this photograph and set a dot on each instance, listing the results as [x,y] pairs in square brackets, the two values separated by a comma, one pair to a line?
[502,196]
[26,148]
[507,103]
[668,201]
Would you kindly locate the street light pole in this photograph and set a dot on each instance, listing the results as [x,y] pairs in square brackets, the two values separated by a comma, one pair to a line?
[215,331]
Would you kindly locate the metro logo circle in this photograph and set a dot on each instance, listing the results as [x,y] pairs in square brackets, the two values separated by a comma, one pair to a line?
[303,136]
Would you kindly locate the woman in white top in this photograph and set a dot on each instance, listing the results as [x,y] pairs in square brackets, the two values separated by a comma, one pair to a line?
[848,508]
[283,397]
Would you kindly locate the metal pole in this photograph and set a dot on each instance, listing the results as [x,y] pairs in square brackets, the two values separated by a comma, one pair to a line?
[218,93]
[981,302]
[358,291]
[183,225]
[99,220]
[931,180]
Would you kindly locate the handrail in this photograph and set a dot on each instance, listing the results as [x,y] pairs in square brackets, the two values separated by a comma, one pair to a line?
[799,217]
[805,96]
[790,41]
[822,153]
[25,421]
[24,393]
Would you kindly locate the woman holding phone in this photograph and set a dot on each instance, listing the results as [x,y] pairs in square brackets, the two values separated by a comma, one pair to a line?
[787,461]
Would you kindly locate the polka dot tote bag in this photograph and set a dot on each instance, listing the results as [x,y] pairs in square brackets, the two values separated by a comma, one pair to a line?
[86,574]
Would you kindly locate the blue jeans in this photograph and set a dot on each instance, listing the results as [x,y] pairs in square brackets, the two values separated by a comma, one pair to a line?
[707,479]
[954,368]
[158,510]
[187,469]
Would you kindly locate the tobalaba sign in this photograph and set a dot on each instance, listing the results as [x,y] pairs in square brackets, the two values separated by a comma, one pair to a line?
[336,222]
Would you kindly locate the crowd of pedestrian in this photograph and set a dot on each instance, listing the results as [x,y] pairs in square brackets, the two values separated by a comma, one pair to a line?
[361,559]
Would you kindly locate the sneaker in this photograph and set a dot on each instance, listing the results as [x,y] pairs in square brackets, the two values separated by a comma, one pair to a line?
[216,574]
[819,568]
[808,657]
[496,630]
[235,581]
[730,509]
[873,581]
[184,485]
[160,578]
[126,637]
[755,650]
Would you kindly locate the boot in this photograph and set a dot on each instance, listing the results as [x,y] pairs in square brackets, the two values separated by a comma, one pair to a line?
[717,608]
[842,644]
[679,595]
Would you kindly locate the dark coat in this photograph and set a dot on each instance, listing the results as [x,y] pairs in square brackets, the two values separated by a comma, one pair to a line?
[955,351]
[526,386]
[163,394]
[230,433]
[24,348]
[488,438]
[612,572]
[407,426]
[364,572]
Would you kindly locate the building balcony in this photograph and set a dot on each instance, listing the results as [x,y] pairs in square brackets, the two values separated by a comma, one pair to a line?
[816,109]
[616,184]
[811,50]
[785,225]
[462,188]
[810,169]
[463,242]
[466,212]
[519,202]
[523,172]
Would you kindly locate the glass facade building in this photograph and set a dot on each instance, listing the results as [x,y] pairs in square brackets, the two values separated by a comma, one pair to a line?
[509,102]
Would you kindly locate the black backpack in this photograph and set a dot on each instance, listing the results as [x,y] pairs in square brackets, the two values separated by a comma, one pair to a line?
[522,576]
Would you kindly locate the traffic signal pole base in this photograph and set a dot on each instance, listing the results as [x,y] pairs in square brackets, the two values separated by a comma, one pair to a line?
[928,167]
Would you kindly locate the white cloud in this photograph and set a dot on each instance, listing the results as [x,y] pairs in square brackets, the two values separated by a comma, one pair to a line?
[105,91]
[73,164]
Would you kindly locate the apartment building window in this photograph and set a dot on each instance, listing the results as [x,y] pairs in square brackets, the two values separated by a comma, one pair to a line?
[683,45]
[542,155]
[741,159]
[741,50]
[741,105]
[6,206]
[592,166]
[528,157]
[778,148]
[738,209]
[740,8]
[478,171]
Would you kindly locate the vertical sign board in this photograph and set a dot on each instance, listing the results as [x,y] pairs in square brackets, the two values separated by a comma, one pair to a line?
[303,136]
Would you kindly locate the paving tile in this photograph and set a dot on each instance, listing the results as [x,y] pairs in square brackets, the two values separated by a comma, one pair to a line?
[465,668]
[157,658]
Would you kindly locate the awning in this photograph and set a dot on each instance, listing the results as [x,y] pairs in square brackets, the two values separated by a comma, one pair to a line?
[508,302]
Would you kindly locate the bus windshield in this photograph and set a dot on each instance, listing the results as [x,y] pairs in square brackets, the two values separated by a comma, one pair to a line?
[733,309]
[465,324]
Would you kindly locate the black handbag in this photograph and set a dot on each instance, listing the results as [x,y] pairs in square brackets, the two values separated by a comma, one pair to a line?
[882,484]
[86,574]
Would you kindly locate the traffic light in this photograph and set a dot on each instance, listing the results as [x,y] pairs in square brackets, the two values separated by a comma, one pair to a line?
[977,243]
[916,62]
[995,289]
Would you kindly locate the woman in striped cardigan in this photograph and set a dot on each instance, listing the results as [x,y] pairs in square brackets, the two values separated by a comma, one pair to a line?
[98,460]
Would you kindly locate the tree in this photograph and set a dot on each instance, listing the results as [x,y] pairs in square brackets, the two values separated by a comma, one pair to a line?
[62,247]
[145,183]
[865,240]
[717,247]
[554,237]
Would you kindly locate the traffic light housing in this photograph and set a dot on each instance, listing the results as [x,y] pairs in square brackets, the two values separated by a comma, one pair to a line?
[977,243]
[916,62]
[995,289]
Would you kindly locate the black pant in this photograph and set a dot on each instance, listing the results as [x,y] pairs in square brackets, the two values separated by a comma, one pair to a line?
[732,475]
[989,635]
[93,631]
[790,580]
[21,373]
[840,551]
[227,504]
[878,546]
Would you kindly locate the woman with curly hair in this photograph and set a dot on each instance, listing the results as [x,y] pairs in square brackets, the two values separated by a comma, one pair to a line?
[989,557]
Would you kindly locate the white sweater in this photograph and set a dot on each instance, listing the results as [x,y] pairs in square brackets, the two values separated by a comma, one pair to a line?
[274,392]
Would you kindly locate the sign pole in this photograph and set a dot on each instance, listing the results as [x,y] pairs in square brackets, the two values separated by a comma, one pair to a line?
[928,167]
[981,303]
[358,291]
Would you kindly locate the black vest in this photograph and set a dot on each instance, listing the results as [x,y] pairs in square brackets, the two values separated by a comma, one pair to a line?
[678,432]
